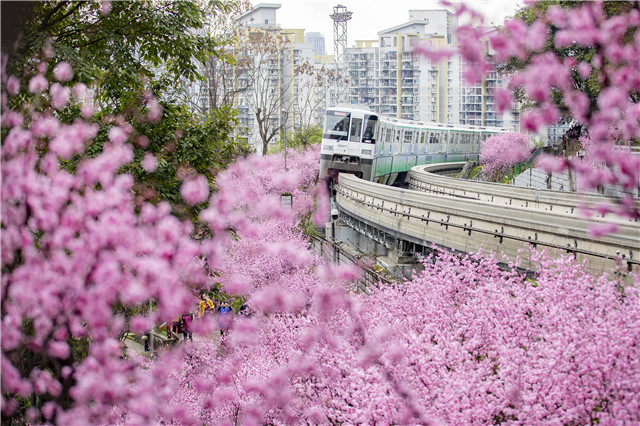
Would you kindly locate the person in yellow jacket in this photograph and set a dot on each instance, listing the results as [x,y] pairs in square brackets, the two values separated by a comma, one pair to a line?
[205,304]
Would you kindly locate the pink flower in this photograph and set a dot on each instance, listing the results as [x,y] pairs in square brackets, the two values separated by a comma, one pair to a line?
[195,191]
[63,71]
[59,95]
[600,230]
[45,127]
[155,111]
[117,135]
[13,85]
[584,70]
[12,119]
[149,163]
[105,7]
[578,104]
[504,99]
[59,349]
[38,83]
[549,163]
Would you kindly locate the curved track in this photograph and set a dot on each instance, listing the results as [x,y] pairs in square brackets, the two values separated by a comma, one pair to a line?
[466,215]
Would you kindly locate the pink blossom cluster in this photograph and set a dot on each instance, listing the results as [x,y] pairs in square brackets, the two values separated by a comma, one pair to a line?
[462,342]
[615,64]
[501,152]
[74,247]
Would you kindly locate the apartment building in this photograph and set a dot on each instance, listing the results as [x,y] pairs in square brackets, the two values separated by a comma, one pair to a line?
[389,77]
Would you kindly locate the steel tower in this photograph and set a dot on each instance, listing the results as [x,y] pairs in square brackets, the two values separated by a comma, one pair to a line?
[340,17]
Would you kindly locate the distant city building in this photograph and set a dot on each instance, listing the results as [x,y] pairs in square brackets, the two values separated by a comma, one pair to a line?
[384,74]
[390,78]
[317,41]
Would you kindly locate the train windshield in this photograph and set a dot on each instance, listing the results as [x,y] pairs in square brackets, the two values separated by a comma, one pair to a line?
[370,123]
[336,125]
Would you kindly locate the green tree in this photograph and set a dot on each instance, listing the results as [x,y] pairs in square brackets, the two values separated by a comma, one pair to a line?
[117,47]
[132,53]
[300,137]
[185,146]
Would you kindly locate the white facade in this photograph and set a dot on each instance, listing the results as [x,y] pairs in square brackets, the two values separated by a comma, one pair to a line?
[261,16]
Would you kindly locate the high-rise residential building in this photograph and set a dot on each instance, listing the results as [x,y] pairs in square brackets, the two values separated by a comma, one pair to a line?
[316,40]
[389,77]
[384,74]
[393,80]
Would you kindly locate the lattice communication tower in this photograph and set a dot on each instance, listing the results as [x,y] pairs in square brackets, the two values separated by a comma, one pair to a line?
[340,17]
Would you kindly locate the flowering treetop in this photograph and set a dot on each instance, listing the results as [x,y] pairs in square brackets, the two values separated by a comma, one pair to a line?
[548,46]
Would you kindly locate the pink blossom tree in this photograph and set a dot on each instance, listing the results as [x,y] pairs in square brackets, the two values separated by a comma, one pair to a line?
[462,342]
[550,45]
[501,152]
[75,248]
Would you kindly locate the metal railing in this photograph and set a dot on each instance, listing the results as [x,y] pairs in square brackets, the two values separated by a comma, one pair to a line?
[369,278]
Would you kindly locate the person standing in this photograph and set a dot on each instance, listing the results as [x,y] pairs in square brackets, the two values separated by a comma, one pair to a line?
[201,306]
[187,319]
[224,318]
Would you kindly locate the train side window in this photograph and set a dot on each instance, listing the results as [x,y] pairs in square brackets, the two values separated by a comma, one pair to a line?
[408,136]
[356,129]
[435,137]
[422,137]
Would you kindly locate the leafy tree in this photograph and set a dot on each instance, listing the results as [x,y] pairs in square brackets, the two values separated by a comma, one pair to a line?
[116,47]
[301,137]
[132,56]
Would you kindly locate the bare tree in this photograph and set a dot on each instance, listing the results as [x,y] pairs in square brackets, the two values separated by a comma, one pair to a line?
[263,70]
[311,92]
[221,88]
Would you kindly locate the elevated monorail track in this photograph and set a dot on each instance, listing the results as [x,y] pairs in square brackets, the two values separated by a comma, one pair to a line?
[464,217]
[429,178]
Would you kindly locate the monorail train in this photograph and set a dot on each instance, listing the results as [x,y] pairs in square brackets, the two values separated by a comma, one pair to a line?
[374,147]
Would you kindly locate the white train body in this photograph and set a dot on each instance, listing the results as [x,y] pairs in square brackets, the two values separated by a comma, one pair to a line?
[374,147]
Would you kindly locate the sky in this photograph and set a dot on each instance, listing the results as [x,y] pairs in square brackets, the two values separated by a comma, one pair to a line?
[372,16]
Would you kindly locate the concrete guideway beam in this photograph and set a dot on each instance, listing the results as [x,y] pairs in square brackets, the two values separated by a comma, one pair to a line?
[467,225]
[423,178]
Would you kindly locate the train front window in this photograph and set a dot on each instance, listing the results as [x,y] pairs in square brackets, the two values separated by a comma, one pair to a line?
[336,125]
[356,129]
[370,124]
